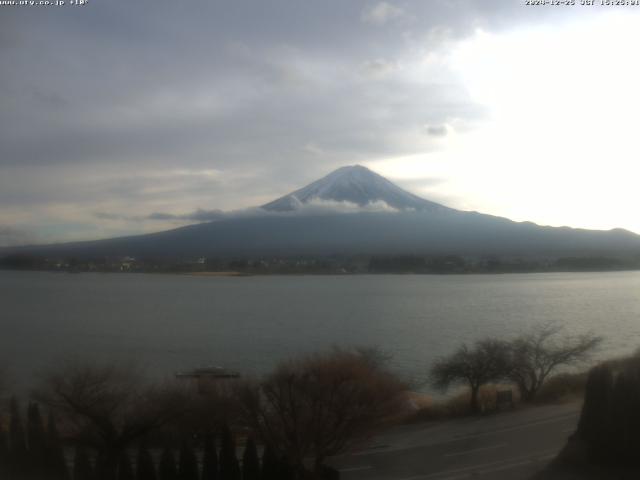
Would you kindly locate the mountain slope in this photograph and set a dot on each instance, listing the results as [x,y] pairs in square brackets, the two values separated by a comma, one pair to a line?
[419,233]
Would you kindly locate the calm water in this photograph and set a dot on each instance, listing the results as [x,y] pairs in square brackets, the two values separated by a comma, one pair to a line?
[171,322]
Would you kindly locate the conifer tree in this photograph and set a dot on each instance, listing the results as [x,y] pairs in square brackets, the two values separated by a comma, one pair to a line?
[4,454]
[210,459]
[82,468]
[18,460]
[101,470]
[55,461]
[270,467]
[125,471]
[229,467]
[250,461]
[167,469]
[285,470]
[146,469]
[36,439]
[188,463]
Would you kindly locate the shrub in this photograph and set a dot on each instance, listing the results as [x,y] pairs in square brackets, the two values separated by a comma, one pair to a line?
[610,419]
[321,405]
[561,387]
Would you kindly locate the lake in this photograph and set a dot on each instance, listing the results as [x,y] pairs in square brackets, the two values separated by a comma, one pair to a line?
[169,323]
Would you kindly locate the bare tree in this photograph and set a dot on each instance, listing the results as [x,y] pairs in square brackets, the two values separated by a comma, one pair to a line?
[321,405]
[535,355]
[110,405]
[487,361]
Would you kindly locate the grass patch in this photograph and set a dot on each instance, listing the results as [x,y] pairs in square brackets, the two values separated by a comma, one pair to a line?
[458,405]
[561,388]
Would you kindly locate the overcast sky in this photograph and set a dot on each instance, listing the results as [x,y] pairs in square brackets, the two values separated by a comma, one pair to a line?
[117,115]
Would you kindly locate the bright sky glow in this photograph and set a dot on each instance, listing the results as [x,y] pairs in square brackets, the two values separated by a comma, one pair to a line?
[561,145]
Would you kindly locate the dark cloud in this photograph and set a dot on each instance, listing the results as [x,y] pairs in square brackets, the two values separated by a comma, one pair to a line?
[436,130]
[118,81]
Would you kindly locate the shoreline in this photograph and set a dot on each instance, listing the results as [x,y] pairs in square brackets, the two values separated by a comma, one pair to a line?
[235,273]
[230,273]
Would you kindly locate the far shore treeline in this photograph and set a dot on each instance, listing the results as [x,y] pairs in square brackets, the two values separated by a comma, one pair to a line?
[337,264]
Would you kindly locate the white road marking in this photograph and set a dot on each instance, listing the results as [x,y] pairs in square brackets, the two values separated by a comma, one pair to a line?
[465,452]
[518,427]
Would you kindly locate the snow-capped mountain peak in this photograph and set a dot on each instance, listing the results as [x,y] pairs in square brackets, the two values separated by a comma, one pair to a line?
[355,185]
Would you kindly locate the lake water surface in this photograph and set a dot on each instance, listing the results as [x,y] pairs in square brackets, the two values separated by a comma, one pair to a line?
[172,322]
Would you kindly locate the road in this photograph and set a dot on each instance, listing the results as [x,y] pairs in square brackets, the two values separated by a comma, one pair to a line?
[509,445]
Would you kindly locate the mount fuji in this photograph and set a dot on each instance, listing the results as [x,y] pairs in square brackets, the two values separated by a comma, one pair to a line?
[400,224]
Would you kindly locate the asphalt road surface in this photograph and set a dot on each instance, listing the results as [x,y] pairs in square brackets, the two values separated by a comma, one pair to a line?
[510,445]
